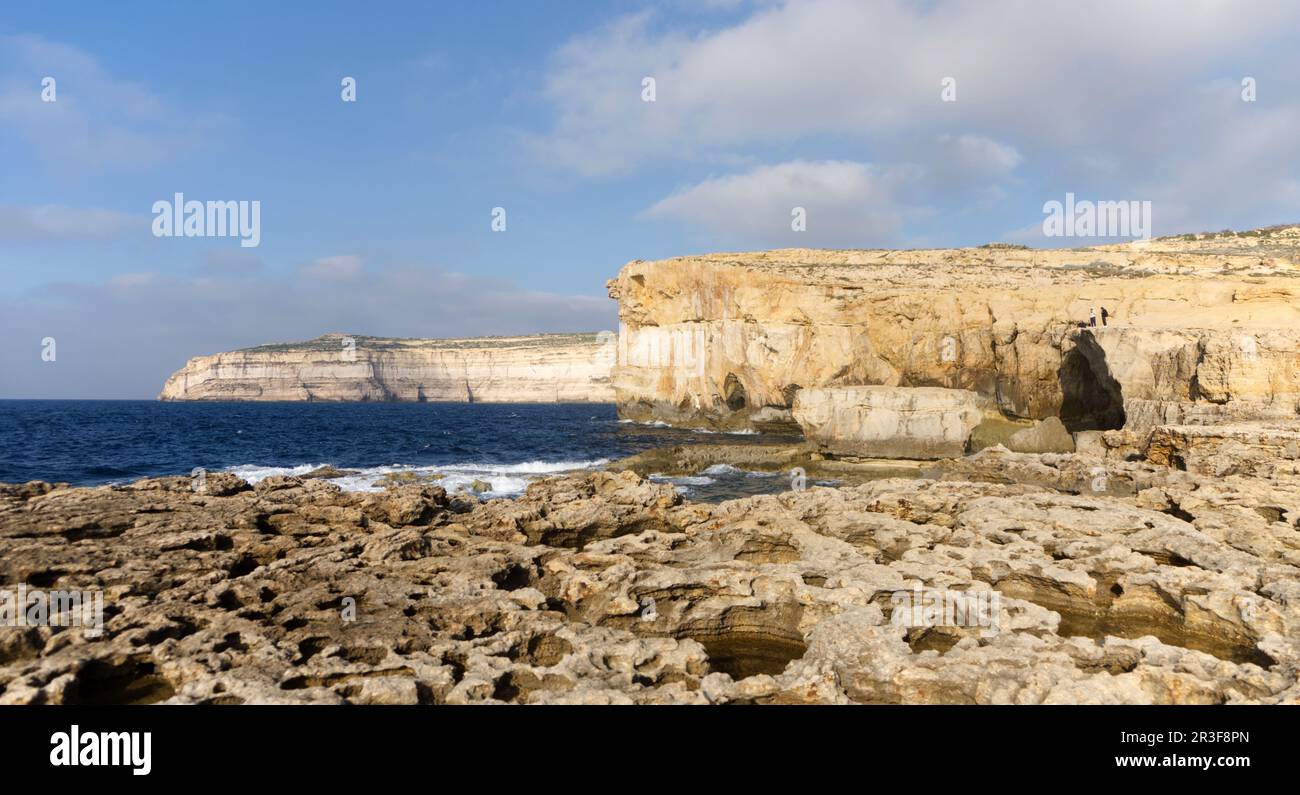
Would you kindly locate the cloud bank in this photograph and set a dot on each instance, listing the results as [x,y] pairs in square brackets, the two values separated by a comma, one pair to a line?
[121,338]
[1114,98]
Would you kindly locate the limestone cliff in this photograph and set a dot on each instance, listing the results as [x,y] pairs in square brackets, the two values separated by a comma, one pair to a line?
[1201,329]
[544,368]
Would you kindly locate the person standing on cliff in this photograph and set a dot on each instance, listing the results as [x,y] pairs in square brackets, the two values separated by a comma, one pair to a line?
[1092,317]
[1104,315]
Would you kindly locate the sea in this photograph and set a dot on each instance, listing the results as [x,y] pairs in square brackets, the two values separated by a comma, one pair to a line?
[93,442]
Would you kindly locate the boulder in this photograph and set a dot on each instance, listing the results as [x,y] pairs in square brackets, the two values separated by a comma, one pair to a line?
[1090,443]
[889,422]
[1046,436]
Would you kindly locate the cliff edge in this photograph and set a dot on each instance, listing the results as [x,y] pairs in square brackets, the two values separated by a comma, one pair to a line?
[542,368]
[1198,328]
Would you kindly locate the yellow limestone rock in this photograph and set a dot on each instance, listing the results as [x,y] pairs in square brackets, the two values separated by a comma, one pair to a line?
[726,341]
[543,368]
[889,422]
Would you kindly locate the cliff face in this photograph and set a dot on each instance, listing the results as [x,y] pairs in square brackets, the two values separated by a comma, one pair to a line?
[727,340]
[545,368]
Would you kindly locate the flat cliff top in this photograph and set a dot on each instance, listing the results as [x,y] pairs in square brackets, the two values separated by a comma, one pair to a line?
[526,368]
[1252,254]
[332,342]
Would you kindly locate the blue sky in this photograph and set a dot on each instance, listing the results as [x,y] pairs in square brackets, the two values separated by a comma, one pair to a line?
[376,214]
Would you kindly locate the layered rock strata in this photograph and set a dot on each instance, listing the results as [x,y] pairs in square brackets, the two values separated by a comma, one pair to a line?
[544,368]
[888,422]
[1195,336]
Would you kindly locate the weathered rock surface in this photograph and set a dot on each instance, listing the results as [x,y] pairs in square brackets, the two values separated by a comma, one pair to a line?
[544,368]
[1045,436]
[1120,582]
[1244,449]
[1197,335]
[889,422]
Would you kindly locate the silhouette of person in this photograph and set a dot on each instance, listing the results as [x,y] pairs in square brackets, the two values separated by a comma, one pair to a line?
[1104,315]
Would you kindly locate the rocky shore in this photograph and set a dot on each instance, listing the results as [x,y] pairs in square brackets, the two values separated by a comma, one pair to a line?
[1117,581]
[980,501]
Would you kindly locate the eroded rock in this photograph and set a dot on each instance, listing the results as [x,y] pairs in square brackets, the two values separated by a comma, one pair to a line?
[1046,436]
[890,422]
[1119,582]
[727,341]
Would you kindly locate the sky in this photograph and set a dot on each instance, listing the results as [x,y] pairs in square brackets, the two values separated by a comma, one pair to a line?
[891,124]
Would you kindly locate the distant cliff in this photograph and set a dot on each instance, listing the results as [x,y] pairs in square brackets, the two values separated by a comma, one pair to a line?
[543,368]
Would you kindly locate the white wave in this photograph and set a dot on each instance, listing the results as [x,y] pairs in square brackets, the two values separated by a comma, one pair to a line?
[723,469]
[682,480]
[255,474]
[507,480]
[728,469]
[662,424]
[651,424]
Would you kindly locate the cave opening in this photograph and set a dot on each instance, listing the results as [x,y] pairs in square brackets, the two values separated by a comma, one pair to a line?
[1091,399]
[733,393]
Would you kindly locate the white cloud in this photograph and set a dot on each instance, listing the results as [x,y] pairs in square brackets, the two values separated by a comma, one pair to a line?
[56,222]
[98,121]
[121,338]
[1126,99]
[845,202]
[847,67]
[340,268]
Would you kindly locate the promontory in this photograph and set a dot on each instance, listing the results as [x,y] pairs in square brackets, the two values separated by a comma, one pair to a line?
[540,368]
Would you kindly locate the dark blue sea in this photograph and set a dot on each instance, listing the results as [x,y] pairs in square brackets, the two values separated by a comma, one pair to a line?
[95,442]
